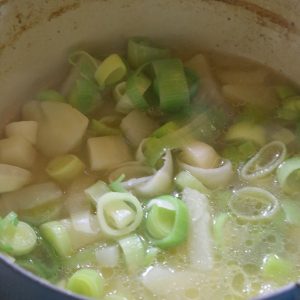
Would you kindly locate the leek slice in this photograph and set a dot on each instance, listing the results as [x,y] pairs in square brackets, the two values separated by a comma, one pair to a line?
[50,95]
[134,252]
[167,221]
[254,204]
[291,209]
[172,84]
[96,191]
[167,128]
[124,103]
[58,237]
[156,184]
[136,88]
[192,81]
[211,178]
[100,129]
[86,282]
[65,168]
[104,215]
[267,159]
[84,63]
[186,180]
[85,96]
[22,241]
[141,50]
[246,131]
[116,185]
[288,175]
[110,71]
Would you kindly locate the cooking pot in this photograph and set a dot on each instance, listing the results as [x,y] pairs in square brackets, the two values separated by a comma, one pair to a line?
[37,35]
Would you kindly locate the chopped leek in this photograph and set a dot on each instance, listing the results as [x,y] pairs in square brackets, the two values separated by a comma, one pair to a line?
[124,104]
[172,84]
[134,252]
[267,159]
[291,209]
[105,214]
[96,191]
[100,129]
[58,237]
[85,96]
[254,204]
[110,71]
[167,221]
[185,179]
[65,168]
[86,282]
[288,175]
[136,88]
[141,50]
[246,131]
[84,63]
[50,95]
[277,268]
[16,238]
[165,129]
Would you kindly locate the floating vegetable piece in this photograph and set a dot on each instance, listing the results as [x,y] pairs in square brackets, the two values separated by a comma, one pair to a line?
[141,50]
[87,282]
[254,204]
[134,252]
[266,160]
[211,178]
[172,84]
[108,206]
[288,175]
[65,168]
[107,151]
[111,70]
[167,221]
[26,129]
[200,244]
[13,178]
[136,126]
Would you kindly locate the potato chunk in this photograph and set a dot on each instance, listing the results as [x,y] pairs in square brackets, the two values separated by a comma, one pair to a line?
[25,129]
[17,151]
[107,151]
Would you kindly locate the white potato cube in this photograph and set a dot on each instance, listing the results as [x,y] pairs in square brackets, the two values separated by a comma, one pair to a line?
[13,178]
[17,151]
[25,129]
[107,151]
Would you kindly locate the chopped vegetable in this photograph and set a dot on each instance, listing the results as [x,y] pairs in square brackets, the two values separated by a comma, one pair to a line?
[26,129]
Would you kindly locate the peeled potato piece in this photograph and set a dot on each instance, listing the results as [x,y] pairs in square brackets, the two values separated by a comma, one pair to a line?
[25,129]
[17,151]
[13,178]
[107,151]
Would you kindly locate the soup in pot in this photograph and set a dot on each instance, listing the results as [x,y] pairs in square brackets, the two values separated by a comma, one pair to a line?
[146,175]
